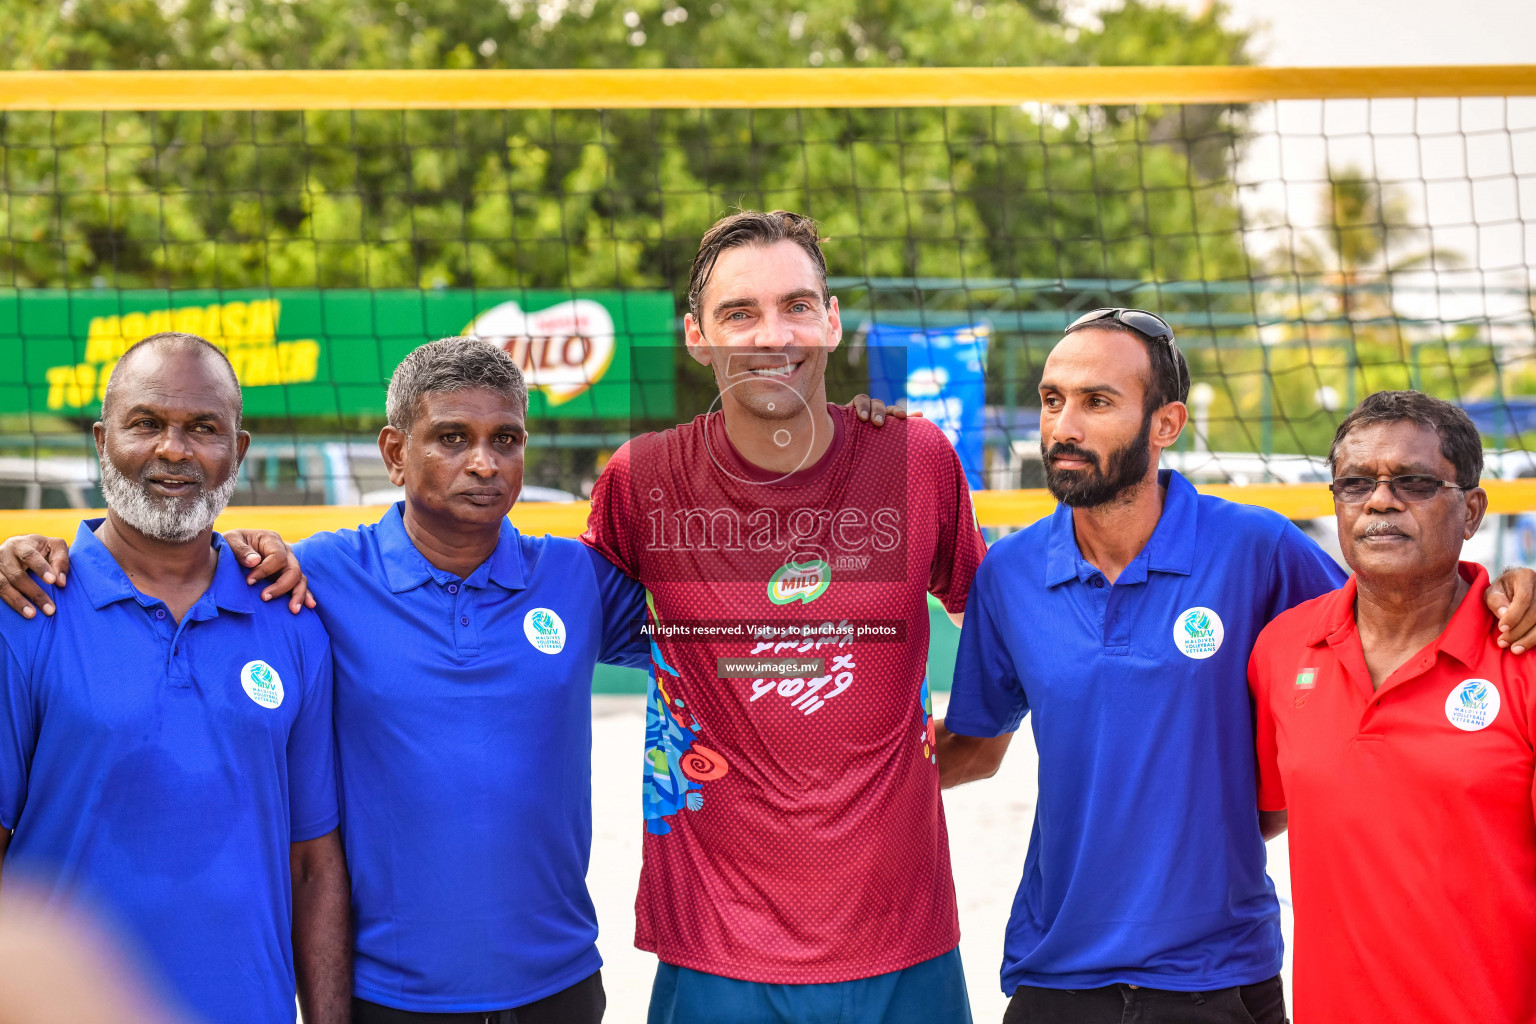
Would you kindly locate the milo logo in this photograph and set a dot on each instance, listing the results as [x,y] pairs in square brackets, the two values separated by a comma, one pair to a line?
[261,683]
[799,581]
[562,350]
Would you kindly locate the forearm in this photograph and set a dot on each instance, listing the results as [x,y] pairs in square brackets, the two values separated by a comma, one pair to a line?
[1272,823]
[322,947]
[965,759]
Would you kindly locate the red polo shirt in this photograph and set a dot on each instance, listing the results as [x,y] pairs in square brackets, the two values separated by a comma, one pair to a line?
[1412,816]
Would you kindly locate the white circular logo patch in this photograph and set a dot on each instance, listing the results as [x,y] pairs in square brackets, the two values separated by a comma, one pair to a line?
[1472,705]
[544,630]
[1197,632]
[262,683]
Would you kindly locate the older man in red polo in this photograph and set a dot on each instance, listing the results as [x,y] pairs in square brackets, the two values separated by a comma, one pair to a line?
[1398,736]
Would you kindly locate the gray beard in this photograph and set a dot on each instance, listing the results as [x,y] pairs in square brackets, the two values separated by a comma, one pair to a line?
[173,520]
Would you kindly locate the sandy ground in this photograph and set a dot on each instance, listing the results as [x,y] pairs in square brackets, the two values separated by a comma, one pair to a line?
[988,831]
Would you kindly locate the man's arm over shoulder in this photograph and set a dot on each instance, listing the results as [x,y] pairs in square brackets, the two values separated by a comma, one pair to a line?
[26,563]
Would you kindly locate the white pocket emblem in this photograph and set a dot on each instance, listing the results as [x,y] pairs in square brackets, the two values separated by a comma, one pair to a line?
[1197,633]
[262,683]
[544,630]
[1473,705]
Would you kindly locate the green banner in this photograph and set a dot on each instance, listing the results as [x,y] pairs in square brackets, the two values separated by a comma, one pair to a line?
[326,353]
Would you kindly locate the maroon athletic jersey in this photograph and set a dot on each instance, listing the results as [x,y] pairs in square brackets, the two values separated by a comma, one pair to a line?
[795,832]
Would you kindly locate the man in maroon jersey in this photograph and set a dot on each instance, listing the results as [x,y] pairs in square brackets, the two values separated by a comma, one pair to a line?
[796,858]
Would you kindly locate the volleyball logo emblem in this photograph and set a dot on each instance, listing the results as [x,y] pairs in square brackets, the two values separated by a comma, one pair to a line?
[261,683]
[1198,632]
[544,630]
[1472,705]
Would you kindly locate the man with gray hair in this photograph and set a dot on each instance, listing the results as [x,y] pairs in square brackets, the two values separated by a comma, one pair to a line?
[465,740]
[166,752]
[464,654]
[1395,733]
[463,660]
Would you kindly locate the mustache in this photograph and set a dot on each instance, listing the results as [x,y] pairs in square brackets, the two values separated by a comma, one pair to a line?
[191,470]
[1382,528]
[1071,451]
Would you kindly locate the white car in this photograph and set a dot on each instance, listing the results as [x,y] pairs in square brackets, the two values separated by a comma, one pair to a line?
[64,481]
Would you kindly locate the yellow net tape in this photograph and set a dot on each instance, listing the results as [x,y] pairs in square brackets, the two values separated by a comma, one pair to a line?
[740,88]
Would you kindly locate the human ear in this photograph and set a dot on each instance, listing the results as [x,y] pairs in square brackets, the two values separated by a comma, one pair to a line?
[693,337]
[1168,423]
[392,442]
[1477,507]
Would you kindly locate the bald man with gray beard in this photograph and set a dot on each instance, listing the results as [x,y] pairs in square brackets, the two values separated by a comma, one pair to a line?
[166,752]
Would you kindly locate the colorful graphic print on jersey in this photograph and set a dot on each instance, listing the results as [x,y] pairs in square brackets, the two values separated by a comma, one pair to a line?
[676,765]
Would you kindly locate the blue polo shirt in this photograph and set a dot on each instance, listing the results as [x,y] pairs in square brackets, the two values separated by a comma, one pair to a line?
[464,732]
[1145,864]
[156,772]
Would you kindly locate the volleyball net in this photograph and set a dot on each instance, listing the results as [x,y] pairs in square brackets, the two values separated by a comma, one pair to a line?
[1311,235]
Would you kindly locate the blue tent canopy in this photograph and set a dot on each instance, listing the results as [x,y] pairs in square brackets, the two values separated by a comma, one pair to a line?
[1511,418]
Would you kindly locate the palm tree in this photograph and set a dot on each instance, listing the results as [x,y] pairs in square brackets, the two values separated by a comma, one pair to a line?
[1368,238]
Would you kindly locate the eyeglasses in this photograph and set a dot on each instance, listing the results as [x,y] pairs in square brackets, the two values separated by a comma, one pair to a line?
[1149,326]
[1352,490]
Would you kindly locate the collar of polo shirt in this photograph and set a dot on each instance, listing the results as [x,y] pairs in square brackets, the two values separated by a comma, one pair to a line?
[92,567]
[1171,547]
[1464,637]
[407,568]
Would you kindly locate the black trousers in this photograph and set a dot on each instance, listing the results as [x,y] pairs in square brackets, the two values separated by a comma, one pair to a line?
[582,1003]
[1261,1003]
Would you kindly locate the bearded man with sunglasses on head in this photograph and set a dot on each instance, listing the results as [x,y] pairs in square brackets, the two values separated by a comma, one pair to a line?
[1397,735]
[1124,622]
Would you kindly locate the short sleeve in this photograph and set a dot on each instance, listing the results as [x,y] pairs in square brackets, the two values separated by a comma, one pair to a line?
[18,736]
[987,698]
[1299,571]
[1266,744]
[312,799]
[608,530]
[960,547]
[623,610]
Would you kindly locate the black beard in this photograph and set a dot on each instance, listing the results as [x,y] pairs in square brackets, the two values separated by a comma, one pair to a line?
[1092,487]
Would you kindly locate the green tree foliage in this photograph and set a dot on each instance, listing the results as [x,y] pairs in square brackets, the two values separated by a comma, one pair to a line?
[588,199]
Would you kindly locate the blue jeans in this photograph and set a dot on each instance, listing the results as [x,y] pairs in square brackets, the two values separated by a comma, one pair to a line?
[932,992]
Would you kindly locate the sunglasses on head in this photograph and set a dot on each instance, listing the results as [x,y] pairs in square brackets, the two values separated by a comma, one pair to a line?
[1352,490]
[1148,325]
